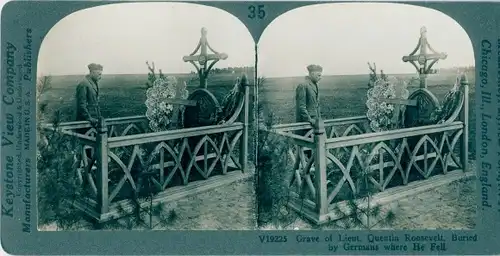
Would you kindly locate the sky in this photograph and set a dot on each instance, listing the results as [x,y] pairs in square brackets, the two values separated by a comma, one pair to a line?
[344,37]
[122,37]
[340,37]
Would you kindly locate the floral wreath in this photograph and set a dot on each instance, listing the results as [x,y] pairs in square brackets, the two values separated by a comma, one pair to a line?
[385,116]
[159,112]
[450,103]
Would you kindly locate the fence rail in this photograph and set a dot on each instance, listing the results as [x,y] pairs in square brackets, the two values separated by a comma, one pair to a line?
[109,121]
[391,135]
[137,139]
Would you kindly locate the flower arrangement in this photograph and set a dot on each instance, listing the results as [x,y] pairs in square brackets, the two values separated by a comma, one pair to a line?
[159,111]
[382,113]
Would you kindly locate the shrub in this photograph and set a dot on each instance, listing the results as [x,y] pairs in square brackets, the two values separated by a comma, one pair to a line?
[272,150]
[56,184]
[358,211]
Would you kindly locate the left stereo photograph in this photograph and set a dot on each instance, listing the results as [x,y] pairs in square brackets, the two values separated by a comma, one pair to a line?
[144,120]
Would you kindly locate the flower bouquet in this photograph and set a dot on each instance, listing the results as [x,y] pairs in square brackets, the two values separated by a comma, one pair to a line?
[159,111]
[383,112]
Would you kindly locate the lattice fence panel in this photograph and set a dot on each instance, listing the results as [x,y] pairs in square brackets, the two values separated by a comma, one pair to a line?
[171,163]
[381,165]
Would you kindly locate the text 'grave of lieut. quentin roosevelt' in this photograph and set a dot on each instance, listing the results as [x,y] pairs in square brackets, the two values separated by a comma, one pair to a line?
[488,119]
[17,165]
[337,242]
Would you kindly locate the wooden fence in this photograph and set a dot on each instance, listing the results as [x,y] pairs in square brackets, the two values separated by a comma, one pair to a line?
[334,157]
[119,157]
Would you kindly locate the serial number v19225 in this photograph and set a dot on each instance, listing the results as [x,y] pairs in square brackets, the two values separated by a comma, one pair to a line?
[273,239]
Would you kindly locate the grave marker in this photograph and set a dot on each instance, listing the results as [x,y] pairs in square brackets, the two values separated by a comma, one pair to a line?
[426,102]
[203,58]
[201,104]
[424,57]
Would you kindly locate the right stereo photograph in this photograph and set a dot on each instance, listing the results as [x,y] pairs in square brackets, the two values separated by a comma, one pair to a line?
[366,120]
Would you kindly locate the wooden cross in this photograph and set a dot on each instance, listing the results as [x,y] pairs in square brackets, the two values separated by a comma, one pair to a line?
[179,101]
[398,102]
[423,57]
[203,58]
[401,102]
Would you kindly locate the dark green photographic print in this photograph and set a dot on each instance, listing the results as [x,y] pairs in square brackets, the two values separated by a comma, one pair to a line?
[250,128]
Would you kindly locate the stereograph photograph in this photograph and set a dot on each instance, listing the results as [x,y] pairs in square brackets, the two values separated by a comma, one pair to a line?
[366,120]
[144,120]
[329,126]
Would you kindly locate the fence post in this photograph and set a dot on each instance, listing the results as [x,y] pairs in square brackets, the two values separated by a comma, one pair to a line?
[102,167]
[245,121]
[464,117]
[320,169]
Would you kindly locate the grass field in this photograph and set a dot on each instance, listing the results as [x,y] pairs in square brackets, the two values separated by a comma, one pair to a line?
[345,96]
[122,95]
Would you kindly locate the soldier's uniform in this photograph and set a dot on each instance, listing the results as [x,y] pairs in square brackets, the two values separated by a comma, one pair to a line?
[87,97]
[87,102]
[307,100]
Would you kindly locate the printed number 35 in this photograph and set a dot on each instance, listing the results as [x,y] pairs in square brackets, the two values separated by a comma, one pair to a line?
[256,12]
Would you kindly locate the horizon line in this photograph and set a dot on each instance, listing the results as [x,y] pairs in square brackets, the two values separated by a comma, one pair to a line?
[280,76]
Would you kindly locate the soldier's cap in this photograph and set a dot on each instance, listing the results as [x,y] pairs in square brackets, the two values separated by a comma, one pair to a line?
[95,66]
[314,68]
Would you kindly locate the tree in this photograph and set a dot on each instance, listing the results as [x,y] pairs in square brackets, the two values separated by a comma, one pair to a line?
[358,211]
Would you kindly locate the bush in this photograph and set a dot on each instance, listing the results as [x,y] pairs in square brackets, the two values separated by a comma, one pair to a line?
[56,184]
[272,189]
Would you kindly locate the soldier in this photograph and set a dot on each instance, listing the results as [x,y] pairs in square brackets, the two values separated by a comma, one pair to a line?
[87,101]
[307,97]
[87,96]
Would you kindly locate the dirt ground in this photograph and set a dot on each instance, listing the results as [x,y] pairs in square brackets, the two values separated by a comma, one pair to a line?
[225,208]
[232,207]
[452,206]
[448,207]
